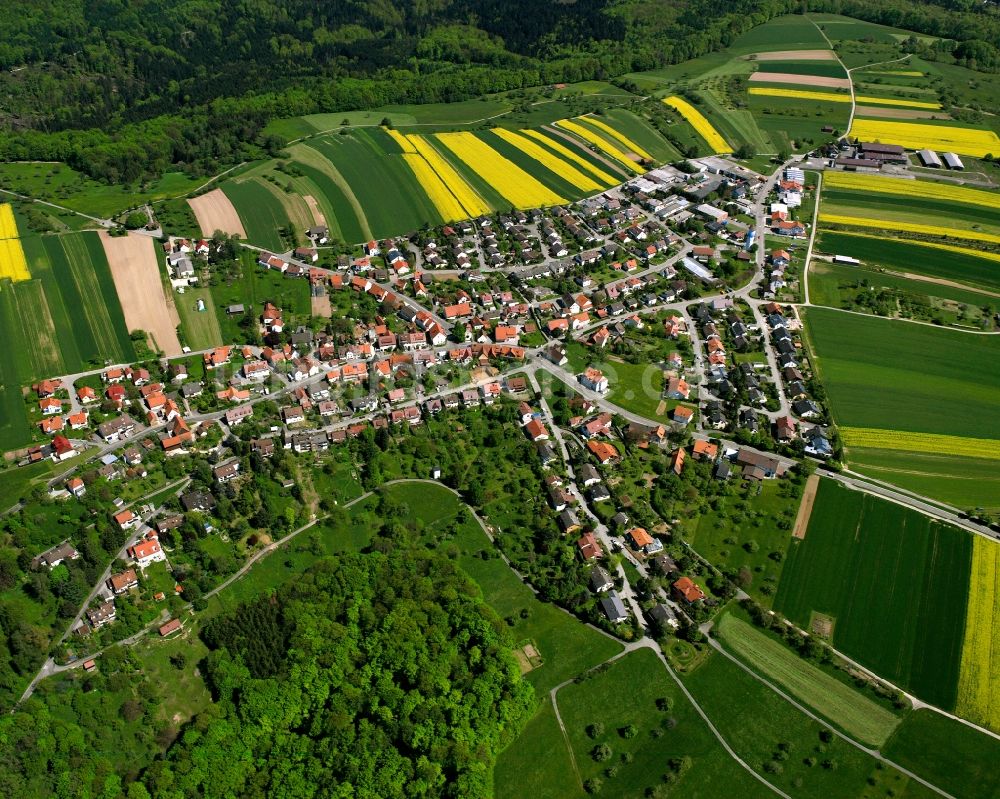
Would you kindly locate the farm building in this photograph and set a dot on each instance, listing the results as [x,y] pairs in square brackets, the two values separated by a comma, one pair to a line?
[929,158]
[952,161]
[891,153]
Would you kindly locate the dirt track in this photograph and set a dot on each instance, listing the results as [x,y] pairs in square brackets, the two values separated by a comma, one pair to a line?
[135,267]
[796,55]
[805,509]
[318,218]
[800,80]
[214,212]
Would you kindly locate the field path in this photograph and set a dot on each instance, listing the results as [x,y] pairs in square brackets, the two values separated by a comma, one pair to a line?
[318,217]
[805,507]
[135,268]
[599,156]
[214,211]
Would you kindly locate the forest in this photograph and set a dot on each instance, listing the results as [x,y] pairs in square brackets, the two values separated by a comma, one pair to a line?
[372,675]
[121,91]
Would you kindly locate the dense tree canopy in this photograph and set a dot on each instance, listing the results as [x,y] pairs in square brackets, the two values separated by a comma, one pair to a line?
[370,676]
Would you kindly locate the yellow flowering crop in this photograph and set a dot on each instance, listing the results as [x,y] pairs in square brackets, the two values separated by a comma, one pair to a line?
[8,227]
[599,142]
[697,121]
[936,443]
[801,94]
[473,204]
[445,202]
[978,680]
[911,188]
[400,139]
[13,264]
[898,101]
[915,136]
[908,227]
[549,161]
[569,155]
[901,72]
[512,182]
[632,146]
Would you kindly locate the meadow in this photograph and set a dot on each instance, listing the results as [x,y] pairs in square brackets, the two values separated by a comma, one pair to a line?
[783,744]
[928,380]
[897,596]
[201,329]
[961,265]
[951,755]
[857,715]
[944,211]
[254,286]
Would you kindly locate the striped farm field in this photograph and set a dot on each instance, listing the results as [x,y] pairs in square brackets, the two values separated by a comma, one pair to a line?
[907,227]
[915,136]
[435,188]
[260,212]
[911,188]
[8,225]
[512,182]
[12,263]
[894,582]
[979,676]
[600,142]
[473,204]
[402,140]
[697,120]
[552,162]
[895,101]
[631,145]
[799,94]
[875,438]
[574,157]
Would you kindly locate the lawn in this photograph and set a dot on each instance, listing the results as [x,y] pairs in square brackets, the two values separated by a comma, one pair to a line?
[782,743]
[262,215]
[947,753]
[15,481]
[641,761]
[726,536]
[917,378]
[912,257]
[859,717]
[200,329]
[897,594]
[256,286]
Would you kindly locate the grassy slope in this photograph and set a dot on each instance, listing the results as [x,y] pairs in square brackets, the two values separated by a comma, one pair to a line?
[201,328]
[261,213]
[898,594]
[891,374]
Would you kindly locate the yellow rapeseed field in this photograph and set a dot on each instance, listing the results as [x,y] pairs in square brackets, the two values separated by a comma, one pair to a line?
[512,182]
[599,142]
[898,101]
[400,139]
[990,256]
[908,227]
[901,72]
[445,202]
[697,121]
[915,136]
[8,227]
[569,155]
[473,204]
[632,146]
[801,94]
[875,438]
[549,161]
[910,188]
[12,261]
[979,674]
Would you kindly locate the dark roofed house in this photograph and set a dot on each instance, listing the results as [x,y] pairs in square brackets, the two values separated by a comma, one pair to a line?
[197,500]
[53,557]
[614,608]
[600,580]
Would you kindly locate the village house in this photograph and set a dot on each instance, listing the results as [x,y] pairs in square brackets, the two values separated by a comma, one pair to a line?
[123,581]
[146,552]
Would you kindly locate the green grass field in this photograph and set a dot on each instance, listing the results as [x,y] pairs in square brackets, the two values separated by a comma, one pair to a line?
[947,753]
[765,730]
[826,69]
[944,212]
[897,593]
[855,714]
[342,209]
[640,762]
[257,286]
[723,536]
[897,375]
[912,258]
[792,32]
[201,329]
[261,213]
